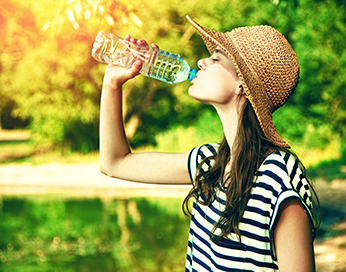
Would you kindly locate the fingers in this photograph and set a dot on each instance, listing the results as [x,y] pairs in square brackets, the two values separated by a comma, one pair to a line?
[135,41]
[153,45]
[140,42]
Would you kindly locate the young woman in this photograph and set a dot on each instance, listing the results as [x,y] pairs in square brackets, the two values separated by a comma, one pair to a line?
[252,208]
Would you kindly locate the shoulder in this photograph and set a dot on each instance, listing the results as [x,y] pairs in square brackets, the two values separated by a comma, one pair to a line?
[282,167]
[206,149]
[199,154]
[282,174]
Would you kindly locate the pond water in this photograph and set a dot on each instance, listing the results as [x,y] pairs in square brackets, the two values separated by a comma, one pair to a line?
[137,234]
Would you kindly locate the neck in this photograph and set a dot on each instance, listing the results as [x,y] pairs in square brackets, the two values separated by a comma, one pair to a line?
[229,120]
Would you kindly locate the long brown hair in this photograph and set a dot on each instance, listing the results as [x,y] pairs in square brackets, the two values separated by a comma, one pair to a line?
[249,150]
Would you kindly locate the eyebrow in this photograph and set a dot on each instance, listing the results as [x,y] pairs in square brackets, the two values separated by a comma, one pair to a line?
[219,50]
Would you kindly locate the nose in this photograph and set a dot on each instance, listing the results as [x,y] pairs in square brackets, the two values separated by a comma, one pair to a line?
[202,64]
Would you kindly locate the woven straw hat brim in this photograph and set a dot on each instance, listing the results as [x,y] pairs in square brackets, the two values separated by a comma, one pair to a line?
[252,84]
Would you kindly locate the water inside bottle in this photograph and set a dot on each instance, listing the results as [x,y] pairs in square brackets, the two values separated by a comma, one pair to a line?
[170,68]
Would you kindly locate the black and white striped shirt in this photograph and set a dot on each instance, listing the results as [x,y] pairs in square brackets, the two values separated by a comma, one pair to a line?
[278,179]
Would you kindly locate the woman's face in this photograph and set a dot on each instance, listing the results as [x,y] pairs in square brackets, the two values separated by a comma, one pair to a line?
[217,81]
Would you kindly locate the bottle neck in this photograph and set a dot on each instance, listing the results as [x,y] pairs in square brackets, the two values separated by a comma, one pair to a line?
[192,74]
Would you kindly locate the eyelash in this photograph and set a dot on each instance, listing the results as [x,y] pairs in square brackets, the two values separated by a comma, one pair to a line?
[215,60]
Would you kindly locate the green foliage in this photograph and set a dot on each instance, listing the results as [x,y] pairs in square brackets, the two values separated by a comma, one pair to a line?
[207,128]
[49,80]
[319,38]
[330,170]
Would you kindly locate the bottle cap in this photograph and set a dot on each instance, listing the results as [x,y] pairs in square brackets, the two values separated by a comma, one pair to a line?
[192,74]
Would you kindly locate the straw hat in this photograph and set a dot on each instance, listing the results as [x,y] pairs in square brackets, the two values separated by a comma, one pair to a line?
[266,65]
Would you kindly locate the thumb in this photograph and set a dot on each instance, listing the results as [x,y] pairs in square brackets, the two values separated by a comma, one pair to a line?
[136,68]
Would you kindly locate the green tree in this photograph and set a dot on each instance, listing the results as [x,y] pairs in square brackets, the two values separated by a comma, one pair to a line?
[17,31]
[49,75]
[315,115]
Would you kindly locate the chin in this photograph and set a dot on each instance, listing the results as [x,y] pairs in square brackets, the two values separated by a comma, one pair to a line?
[193,93]
[190,92]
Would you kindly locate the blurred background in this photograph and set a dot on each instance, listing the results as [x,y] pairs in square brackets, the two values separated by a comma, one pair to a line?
[55,215]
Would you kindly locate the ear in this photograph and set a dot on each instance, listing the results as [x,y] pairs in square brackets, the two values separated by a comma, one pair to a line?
[240,90]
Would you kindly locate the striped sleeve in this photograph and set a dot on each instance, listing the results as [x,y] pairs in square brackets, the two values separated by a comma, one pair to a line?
[197,155]
[290,182]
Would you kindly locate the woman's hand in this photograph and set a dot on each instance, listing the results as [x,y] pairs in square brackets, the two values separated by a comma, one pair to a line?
[117,75]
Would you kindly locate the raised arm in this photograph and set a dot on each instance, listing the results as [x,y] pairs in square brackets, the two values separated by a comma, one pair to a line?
[116,158]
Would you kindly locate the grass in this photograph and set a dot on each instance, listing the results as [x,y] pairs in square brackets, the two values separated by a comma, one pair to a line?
[16,147]
[28,152]
[327,164]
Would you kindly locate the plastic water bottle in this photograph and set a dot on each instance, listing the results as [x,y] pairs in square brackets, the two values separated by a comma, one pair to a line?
[158,64]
